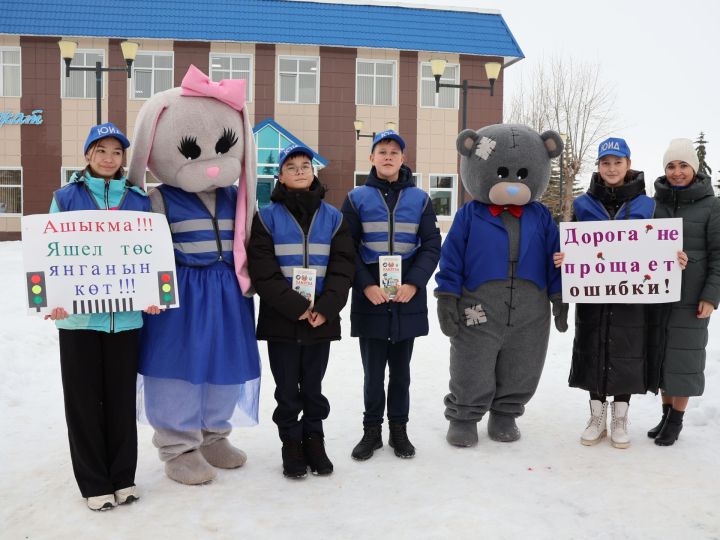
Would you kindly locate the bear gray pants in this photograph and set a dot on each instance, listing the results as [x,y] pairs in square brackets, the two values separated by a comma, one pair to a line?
[499,352]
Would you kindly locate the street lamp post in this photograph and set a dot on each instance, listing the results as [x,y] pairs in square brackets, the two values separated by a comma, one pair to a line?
[359,125]
[492,70]
[67,51]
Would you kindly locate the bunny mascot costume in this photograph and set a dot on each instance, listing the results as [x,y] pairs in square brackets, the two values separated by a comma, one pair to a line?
[199,363]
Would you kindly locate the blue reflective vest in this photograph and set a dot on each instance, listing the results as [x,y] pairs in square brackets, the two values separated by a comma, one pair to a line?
[385,234]
[199,239]
[293,249]
[76,196]
[588,208]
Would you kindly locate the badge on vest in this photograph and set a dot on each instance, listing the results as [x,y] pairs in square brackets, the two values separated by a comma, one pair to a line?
[303,283]
[390,273]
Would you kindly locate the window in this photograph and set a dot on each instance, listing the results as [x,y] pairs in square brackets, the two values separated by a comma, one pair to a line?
[448,97]
[67,172]
[10,80]
[298,80]
[269,143]
[150,181]
[10,191]
[81,84]
[443,194]
[361,178]
[232,66]
[375,83]
[152,73]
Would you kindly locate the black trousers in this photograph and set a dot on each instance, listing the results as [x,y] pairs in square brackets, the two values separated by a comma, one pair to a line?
[298,371]
[99,373]
[376,355]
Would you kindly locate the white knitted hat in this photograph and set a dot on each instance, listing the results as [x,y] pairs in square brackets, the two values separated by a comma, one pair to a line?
[681,150]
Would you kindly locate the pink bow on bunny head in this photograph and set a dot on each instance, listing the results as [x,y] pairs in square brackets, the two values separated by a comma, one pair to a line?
[229,91]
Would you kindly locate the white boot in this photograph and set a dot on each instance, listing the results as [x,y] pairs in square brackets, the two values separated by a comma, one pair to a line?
[596,428]
[619,437]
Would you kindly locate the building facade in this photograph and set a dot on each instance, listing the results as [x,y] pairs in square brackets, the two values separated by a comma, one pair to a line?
[313,68]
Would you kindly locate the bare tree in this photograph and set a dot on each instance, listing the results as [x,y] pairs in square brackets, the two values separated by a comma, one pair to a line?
[568,96]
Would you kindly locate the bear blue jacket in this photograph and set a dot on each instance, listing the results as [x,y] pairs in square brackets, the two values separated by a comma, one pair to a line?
[394,321]
[476,249]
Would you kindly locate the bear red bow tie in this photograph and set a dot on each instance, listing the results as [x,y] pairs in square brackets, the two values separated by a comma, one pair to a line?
[497,209]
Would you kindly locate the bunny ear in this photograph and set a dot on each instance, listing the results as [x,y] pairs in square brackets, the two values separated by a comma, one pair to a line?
[245,205]
[145,128]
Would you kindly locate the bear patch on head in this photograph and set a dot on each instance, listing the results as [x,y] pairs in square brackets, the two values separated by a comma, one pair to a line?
[506,164]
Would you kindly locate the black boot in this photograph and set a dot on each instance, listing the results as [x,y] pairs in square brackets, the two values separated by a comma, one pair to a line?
[654,431]
[671,429]
[399,440]
[371,441]
[294,465]
[315,456]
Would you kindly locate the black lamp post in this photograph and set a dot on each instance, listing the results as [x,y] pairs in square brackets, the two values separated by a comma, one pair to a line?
[359,125]
[492,70]
[67,51]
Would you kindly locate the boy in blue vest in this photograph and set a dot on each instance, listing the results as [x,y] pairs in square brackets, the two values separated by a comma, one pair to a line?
[300,231]
[389,216]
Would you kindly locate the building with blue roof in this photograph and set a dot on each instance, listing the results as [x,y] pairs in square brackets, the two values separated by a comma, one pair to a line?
[313,69]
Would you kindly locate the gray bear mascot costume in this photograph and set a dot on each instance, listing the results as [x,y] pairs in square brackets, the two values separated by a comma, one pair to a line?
[497,279]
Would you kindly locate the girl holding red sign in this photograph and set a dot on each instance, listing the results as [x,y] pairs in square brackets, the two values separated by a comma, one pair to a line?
[609,350]
[99,351]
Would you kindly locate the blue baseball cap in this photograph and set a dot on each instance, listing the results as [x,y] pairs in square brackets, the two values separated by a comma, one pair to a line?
[388,134]
[292,150]
[105,130]
[613,146]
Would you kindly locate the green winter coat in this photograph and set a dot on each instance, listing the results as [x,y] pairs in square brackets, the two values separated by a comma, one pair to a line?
[677,337]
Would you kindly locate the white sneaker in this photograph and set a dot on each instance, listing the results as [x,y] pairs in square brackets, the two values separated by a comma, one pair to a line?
[596,429]
[126,495]
[619,437]
[101,502]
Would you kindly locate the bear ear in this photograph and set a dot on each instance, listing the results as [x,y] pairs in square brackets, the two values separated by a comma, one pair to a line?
[466,141]
[553,143]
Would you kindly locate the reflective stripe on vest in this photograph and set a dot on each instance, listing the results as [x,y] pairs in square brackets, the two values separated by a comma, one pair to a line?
[199,239]
[295,250]
[383,234]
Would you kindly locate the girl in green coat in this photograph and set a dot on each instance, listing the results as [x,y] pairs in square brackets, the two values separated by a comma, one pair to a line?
[679,332]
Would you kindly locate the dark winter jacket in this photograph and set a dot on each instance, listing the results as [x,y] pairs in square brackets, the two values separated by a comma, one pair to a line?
[280,306]
[677,337]
[393,320]
[609,350]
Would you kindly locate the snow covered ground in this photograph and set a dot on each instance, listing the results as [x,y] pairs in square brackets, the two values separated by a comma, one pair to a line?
[544,486]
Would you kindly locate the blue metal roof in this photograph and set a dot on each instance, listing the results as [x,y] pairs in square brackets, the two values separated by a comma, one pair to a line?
[319,161]
[267,21]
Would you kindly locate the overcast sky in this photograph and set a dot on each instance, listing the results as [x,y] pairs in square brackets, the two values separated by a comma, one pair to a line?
[662,58]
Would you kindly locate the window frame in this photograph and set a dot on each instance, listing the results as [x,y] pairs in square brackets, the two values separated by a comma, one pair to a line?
[452,190]
[297,82]
[9,187]
[2,66]
[436,95]
[65,177]
[393,91]
[132,81]
[65,80]
[249,86]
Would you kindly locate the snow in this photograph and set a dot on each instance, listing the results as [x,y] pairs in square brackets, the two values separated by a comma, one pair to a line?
[546,485]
